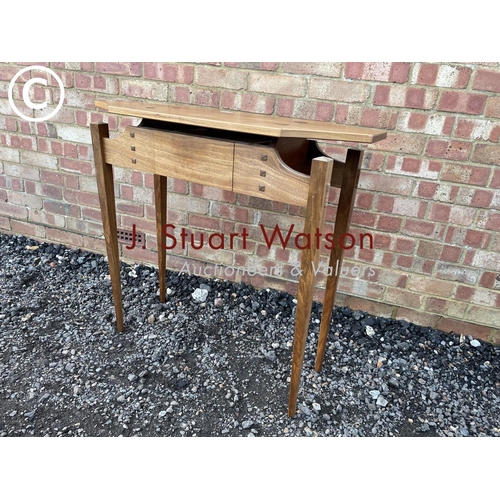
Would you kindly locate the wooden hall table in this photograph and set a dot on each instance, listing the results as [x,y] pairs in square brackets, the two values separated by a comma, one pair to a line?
[259,155]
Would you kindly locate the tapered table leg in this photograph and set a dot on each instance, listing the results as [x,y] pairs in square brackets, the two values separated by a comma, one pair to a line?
[350,178]
[160,183]
[321,172]
[105,188]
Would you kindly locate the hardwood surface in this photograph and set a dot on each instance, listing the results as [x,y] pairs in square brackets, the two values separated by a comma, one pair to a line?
[160,187]
[238,121]
[321,172]
[258,171]
[105,187]
[190,158]
[352,168]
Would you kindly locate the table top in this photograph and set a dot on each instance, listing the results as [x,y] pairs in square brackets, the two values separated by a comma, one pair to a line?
[238,121]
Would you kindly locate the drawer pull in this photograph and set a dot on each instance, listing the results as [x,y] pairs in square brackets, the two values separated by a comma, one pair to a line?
[263,157]
[262,188]
[262,173]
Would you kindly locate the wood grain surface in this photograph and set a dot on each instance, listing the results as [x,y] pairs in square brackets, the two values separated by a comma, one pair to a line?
[274,126]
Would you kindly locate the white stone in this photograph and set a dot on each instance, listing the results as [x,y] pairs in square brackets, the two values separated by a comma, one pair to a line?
[200,295]
[370,331]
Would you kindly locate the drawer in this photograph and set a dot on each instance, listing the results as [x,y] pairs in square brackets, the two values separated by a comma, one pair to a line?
[259,171]
[197,159]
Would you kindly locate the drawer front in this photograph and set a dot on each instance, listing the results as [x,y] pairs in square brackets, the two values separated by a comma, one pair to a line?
[192,158]
[258,171]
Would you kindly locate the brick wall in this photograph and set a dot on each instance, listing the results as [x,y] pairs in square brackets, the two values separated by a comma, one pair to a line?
[428,193]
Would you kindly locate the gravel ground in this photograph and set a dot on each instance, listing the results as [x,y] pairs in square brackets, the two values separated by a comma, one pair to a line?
[217,365]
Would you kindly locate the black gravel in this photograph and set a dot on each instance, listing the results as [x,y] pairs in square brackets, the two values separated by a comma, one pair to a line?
[218,367]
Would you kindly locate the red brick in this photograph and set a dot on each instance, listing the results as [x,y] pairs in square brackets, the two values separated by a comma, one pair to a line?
[252,103]
[443,75]
[46,190]
[483,315]
[133,69]
[375,160]
[364,200]
[417,121]
[465,174]
[462,102]
[404,298]
[478,239]
[415,98]
[463,216]
[207,98]
[427,189]
[94,214]
[70,150]
[481,198]
[437,305]
[495,134]
[221,78]
[322,69]
[83,81]
[486,153]
[144,89]
[270,83]
[450,254]
[454,150]
[385,203]
[307,110]
[418,228]
[81,197]
[365,219]
[13,211]
[429,249]
[404,246]
[61,208]
[405,97]
[204,222]
[490,280]
[335,90]
[463,328]
[492,221]
[424,284]
[378,71]
[386,223]
[427,74]
[404,261]
[487,80]
[180,94]
[83,167]
[493,107]
[401,143]
[440,212]
[378,118]
[369,306]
